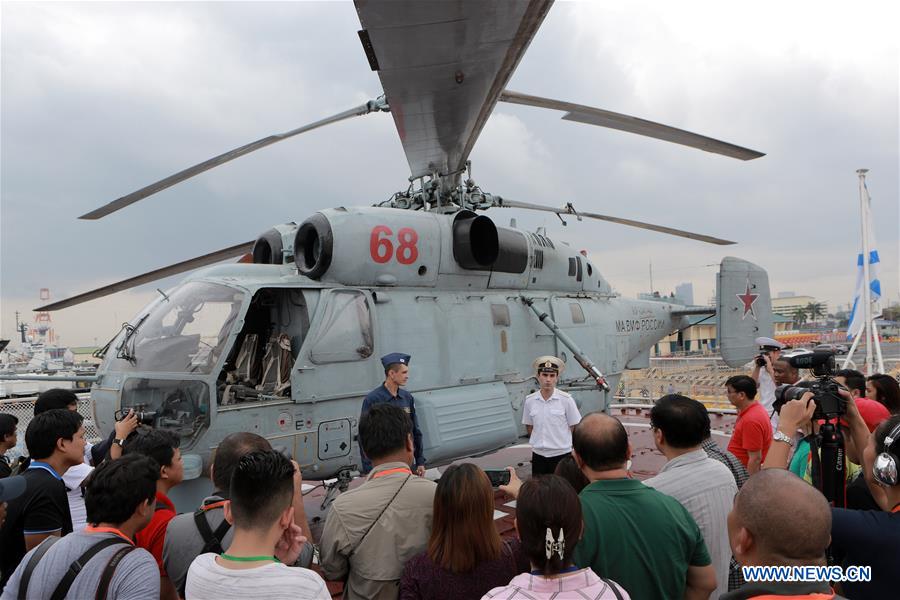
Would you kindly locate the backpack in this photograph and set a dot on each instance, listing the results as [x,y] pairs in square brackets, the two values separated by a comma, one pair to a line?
[62,588]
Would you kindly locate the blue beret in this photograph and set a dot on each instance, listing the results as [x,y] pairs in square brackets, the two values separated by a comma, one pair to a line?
[394,358]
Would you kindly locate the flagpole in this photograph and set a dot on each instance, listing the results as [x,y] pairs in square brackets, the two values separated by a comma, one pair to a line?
[867,297]
[878,354]
[852,350]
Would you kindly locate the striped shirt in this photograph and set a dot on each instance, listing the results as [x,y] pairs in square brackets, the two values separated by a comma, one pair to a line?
[735,577]
[583,584]
[208,580]
[706,489]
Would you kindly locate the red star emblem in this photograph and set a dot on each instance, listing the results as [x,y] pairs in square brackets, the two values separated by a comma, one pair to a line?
[747,299]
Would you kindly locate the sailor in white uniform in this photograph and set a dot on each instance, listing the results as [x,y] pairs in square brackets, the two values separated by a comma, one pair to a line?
[549,416]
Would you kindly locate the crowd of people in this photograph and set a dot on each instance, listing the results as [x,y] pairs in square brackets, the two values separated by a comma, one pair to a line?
[83,521]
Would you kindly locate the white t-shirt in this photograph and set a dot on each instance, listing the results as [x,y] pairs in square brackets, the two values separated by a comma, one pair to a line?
[550,421]
[208,580]
[766,393]
[73,478]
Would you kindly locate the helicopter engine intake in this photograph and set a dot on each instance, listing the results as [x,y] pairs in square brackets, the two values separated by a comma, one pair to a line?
[478,244]
[275,246]
[314,246]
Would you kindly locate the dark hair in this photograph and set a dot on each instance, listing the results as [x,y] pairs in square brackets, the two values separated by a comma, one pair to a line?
[743,383]
[548,501]
[603,447]
[887,391]
[568,469]
[384,429]
[49,427]
[683,421]
[157,444]
[54,399]
[392,367]
[115,489]
[883,430]
[8,425]
[853,379]
[262,486]
[232,447]
[463,533]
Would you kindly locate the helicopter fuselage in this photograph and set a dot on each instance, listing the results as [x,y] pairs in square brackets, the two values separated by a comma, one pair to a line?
[262,348]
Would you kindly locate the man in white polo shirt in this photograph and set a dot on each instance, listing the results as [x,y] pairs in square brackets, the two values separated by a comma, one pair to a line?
[549,415]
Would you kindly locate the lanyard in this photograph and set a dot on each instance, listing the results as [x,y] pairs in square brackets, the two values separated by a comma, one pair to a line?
[391,472]
[248,558]
[896,508]
[92,529]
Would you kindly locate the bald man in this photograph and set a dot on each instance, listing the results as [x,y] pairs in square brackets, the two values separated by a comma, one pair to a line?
[666,554]
[779,519]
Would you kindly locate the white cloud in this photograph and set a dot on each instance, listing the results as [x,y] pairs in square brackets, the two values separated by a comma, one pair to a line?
[102,98]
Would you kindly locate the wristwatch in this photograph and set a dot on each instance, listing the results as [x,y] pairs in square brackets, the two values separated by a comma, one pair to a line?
[119,443]
[779,436]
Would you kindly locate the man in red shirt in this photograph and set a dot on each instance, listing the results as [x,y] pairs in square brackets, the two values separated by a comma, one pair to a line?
[753,430]
[161,446]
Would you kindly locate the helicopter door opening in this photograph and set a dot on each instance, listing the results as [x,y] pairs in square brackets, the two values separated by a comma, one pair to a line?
[259,365]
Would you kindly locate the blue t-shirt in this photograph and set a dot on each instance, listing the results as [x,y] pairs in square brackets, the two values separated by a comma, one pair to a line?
[868,538]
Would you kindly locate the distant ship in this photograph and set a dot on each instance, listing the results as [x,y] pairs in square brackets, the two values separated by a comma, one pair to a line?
[34,357]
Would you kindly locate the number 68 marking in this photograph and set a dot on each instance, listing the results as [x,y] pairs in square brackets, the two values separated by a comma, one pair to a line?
[381,248]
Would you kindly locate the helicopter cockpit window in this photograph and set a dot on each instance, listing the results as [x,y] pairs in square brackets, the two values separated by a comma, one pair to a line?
[183,333]
[179,406]
[346,332]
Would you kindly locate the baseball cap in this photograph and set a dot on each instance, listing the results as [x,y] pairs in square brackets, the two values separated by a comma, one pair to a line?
[11,487]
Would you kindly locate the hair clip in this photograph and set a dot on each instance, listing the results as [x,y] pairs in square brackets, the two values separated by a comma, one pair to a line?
[558,546]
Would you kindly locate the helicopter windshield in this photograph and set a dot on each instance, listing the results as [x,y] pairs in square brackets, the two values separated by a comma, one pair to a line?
[184,332]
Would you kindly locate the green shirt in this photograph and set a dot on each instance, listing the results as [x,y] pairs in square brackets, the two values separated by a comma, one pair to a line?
[640,538]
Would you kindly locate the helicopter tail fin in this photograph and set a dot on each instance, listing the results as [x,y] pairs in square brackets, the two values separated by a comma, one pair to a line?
[744,309]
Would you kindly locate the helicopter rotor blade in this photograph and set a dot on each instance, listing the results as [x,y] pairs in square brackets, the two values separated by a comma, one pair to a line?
[568,209]
[378,104]
[125,284]
[613,120]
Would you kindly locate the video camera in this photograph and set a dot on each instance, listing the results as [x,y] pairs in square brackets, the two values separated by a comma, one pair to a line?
[825,390]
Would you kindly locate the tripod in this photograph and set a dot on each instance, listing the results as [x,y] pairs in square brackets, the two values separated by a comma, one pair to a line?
[829,473]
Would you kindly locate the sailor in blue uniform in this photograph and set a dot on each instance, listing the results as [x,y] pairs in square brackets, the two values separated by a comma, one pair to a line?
[396,373]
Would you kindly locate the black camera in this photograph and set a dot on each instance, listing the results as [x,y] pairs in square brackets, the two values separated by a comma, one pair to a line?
[825,390]
[761,359]
[144,417]
[498,477]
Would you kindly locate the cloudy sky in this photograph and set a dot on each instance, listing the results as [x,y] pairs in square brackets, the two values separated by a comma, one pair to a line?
[100,99]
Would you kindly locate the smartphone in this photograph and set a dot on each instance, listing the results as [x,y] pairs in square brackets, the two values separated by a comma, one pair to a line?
[498,477]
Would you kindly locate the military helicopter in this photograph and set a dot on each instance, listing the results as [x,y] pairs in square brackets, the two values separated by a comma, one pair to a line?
[285,342]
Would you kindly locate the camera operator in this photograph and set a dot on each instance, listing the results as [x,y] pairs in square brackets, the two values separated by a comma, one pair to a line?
[764,371]
[799,412]
[825,463]
[872,537]
[858,495]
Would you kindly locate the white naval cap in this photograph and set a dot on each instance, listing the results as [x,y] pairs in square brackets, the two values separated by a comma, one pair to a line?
[548,363]
[766,343]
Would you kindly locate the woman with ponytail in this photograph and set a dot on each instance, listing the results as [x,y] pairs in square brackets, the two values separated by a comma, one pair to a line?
[548,520]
